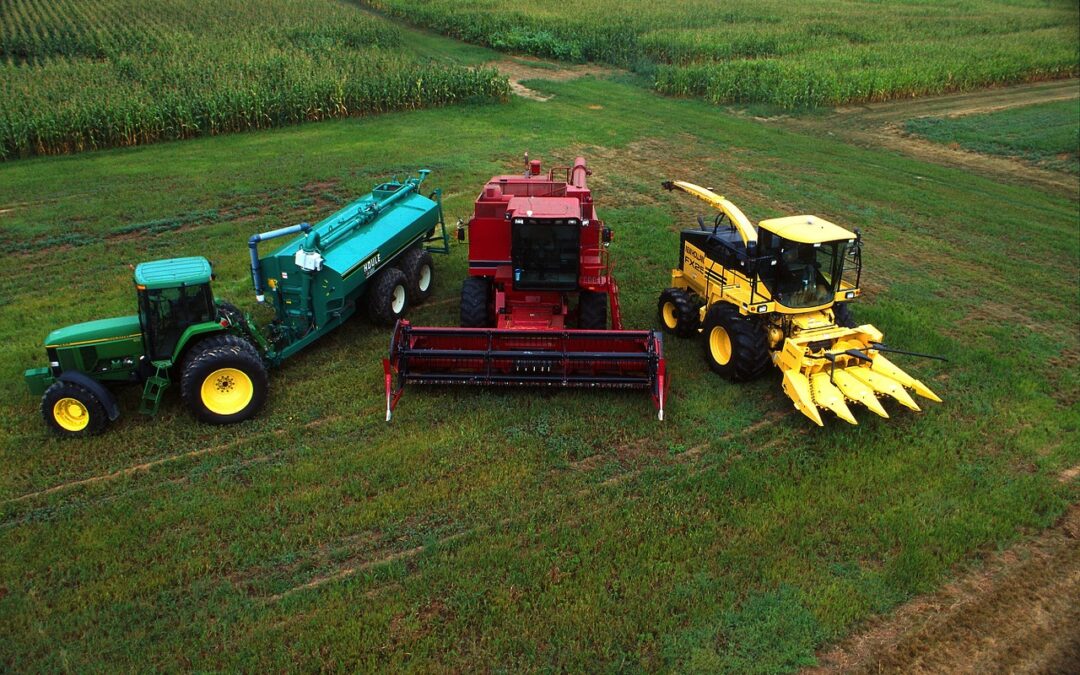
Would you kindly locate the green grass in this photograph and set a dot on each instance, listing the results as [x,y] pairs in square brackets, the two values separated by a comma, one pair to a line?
[78,77]
[1047,134]
[793,55]
[524,530]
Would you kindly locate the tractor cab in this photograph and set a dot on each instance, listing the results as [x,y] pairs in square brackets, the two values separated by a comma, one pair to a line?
[174,295]
[545,242]
[805,261]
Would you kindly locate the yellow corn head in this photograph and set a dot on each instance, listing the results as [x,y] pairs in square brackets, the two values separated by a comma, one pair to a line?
[778,293]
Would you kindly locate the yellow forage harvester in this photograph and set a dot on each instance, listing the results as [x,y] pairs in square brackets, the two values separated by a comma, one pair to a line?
[778,293]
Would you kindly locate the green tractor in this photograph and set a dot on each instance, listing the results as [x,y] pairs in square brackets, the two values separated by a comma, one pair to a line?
[371,253]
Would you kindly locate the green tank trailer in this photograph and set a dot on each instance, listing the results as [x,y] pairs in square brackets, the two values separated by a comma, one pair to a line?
[374,252]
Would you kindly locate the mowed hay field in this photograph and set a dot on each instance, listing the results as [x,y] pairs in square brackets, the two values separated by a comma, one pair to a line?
[79,75]
[793,55]
[524,530]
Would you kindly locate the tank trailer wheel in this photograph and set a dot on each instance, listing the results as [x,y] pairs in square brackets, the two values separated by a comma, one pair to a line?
[592,310]
[734,346]
[388,296]
[676,312]
[842,315]
[475,296]
[71,410]
[224,380]
[419,268]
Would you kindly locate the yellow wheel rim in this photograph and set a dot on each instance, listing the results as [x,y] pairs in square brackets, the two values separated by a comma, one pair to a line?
[227,391]
[71,414]
[669,315]
[720,345]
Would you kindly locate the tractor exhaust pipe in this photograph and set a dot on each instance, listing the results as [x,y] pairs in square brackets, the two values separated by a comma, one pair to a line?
[253,247]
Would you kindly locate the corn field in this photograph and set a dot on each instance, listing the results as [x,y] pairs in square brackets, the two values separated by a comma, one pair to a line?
[78,75]
[790,54]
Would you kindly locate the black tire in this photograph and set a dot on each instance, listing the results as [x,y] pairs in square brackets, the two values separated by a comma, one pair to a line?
[724,331]
[676,313]
[475,297]
[224,380]
[842,315]
[388,296]
[592,310]
[419,268]
[72,410]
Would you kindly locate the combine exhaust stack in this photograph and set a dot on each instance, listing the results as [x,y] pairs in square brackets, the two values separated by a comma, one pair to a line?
[554,358]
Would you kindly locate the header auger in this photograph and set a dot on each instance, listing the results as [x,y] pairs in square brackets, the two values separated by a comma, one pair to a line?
[778,293]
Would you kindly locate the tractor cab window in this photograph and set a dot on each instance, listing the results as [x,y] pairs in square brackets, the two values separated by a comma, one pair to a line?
[545,254]
[803,275]
[165,313]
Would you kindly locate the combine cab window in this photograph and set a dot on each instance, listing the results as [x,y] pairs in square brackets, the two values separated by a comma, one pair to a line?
[545,255]
[805,275]
[167,312]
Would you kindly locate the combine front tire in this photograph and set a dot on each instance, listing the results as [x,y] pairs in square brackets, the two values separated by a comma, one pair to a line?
[72,410]
[592,310]
[475,296]
[388,296]
[734,346]
[224,380]
[420,270]
[677,313]
[842,315]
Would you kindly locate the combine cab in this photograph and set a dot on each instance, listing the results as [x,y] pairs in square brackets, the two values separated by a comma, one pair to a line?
[778,294]
[535,306]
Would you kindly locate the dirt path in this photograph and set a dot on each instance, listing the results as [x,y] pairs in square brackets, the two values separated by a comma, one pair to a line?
[520,68]
[1020,612]
[880,125]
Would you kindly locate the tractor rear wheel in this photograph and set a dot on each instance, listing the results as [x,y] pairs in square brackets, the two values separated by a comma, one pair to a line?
[475,296]
[842,315]
[223,380]
[420,270]
[592,310]
[388,296]
[734,345]
[676,312]
[72,410]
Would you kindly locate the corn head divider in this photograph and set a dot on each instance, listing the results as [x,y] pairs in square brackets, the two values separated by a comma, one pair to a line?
[614,359]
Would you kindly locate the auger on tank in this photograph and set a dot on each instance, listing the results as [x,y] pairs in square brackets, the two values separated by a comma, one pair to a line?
[778,293]
[373,252]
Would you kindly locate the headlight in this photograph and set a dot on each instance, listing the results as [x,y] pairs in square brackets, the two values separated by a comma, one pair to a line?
[762,308]
[849,295]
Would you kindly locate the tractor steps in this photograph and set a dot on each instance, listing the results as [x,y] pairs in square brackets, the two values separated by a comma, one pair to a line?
[153,390]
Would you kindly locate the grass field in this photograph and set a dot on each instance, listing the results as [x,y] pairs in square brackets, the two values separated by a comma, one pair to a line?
[793,55]
[523,530]
[1047,135]
[79,76]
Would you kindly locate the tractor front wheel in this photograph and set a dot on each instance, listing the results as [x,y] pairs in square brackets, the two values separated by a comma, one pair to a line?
[72,410]
[420,270]
[475,296]
[388,296]
[734,345]
[842,315]
[224,380]
[677,313]
[592,310]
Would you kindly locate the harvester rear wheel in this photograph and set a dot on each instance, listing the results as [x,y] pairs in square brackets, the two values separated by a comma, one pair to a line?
[676,312]
[420,270]
[388,296]
[71,410]
[592,310]
[842,315]
[224,380]
[475,296]
[735,346]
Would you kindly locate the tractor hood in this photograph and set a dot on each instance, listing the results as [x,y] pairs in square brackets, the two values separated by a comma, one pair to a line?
[90,332]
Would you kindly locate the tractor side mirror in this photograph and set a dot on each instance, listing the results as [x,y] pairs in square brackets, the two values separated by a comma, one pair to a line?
[606,235]
[460,230]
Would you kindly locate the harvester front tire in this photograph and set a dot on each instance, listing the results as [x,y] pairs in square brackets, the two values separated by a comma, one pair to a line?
[676,313]
[388,297]
[592,310]
[475,296]
[420,270]
[842,315]
[71,410]
[734,346]
[224,380]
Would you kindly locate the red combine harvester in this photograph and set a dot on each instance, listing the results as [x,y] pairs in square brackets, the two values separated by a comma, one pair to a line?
[535,244]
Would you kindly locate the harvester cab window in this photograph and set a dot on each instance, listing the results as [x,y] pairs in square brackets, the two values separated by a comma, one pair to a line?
[165,313]
[805,274]
[545,254]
